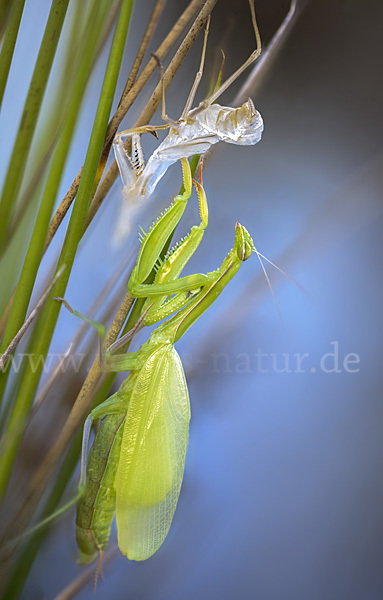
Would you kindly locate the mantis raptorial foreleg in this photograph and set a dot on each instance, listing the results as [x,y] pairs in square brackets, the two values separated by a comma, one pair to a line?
[168,280]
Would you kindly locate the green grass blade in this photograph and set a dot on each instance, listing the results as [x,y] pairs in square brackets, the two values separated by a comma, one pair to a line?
[44,331]
[35,250]
[31,112]
[9,43]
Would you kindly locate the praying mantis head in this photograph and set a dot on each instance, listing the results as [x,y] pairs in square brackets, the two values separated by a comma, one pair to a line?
[244,245]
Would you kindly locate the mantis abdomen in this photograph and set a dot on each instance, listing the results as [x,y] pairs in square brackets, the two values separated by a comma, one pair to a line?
[95,510]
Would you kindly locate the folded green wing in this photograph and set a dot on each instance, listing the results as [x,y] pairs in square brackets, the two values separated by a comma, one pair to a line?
[152,456]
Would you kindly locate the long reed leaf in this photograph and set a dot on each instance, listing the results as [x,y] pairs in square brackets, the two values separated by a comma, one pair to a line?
[9,42]
[30,114]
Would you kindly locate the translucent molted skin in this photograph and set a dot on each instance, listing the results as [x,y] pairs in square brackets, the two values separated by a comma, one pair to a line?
[242,126]
[195,135]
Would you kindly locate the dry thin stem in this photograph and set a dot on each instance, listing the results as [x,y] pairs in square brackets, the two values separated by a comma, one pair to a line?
[75,586]
[157,10]
[123,108]
[97,304]
[5,357]
[57,371]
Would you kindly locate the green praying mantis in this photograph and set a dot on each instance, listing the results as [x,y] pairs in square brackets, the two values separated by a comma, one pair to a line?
[136,463]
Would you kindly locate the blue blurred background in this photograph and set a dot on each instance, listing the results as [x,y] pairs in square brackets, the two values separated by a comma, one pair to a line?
[283,490]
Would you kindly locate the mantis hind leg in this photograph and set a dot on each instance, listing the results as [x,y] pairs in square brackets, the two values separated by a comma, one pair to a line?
[109,362]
